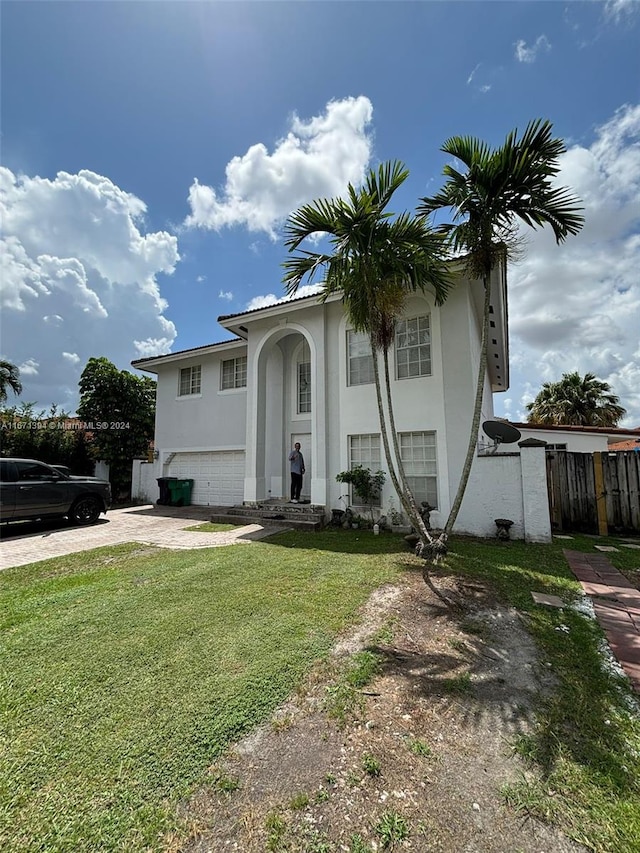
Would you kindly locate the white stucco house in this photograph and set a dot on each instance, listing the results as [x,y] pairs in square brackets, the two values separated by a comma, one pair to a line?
[229,412]
[579,439]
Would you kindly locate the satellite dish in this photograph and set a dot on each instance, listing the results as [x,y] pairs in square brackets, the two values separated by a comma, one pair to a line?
[502,432]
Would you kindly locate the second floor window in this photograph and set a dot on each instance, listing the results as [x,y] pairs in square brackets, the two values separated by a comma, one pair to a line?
[234,373]
[413,347]
[190,380]
[304,387]
[359,359]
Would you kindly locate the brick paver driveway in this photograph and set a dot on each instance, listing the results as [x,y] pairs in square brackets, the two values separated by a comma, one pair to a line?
[162,526]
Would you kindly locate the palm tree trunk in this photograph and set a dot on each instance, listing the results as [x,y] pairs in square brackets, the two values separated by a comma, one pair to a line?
[404,493]
[422,528]
[477,410]
[411,511]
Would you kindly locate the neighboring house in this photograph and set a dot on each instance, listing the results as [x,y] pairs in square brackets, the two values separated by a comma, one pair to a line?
[577,439]
[629,444]
[228,413]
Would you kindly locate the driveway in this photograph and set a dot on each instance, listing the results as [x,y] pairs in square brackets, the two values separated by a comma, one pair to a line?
[162,526]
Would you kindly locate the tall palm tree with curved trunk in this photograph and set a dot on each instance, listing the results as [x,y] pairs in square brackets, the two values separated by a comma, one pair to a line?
[496,189]
[376,260]
[9,378]
[577,401]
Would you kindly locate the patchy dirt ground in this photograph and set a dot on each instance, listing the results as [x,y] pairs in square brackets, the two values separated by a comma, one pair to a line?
[424,756]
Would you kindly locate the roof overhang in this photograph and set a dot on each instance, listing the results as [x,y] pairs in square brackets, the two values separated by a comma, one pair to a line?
[150,365]
[498,337]
[238,323]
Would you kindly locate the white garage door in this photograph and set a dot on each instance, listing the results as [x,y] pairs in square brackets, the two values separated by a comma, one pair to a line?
[218,477]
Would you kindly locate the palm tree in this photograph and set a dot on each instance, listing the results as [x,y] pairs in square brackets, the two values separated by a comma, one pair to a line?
[9,378]
[376,261]
[497,188]
[578,401]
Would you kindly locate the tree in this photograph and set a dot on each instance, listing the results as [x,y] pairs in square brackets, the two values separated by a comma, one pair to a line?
[118,408]
[377,260]
[497,188]
[577,401]
[55,437]
[366,486]
[9,378]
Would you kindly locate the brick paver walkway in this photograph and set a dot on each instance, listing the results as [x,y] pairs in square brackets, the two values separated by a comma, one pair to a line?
[162,526]
[617,607]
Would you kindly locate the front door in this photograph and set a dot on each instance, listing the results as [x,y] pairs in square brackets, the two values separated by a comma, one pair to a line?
[305,449]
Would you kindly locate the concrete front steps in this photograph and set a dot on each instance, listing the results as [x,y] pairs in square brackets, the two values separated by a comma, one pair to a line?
[272,513]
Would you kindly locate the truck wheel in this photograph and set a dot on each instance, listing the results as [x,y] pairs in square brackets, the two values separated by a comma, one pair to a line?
[86,510]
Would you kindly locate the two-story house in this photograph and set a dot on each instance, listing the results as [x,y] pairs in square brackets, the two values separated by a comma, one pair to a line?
[228,413]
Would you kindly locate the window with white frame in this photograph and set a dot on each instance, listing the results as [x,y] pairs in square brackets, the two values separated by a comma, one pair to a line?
[234,373]
[413,347]
[418,453]
[364,450]
[304,387]
[303,377]
[190,380]
[359,359]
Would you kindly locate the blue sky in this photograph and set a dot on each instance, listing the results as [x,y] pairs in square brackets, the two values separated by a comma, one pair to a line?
[151,151]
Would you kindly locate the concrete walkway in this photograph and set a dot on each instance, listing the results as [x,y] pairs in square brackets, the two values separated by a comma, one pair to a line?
[617,607]
[149,525]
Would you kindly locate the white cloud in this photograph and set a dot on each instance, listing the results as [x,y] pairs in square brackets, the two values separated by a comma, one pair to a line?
[28,368]
[272,299]
[78,279]
[226,294]
[473,73]
[155,346]
[530,54]
[616,10]
[318,157]
[577,306]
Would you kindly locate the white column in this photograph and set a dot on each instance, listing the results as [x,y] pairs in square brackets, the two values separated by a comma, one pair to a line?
[319,425]
[252,484]
[535,498]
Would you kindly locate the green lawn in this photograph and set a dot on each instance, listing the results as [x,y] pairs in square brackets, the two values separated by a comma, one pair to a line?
[125,672]
[212,527]
[586,743]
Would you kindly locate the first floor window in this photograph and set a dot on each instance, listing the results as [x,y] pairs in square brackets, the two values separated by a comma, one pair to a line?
[418,452]
[234,373]
[190,380]
[364,450]
[359,359]
[413,347]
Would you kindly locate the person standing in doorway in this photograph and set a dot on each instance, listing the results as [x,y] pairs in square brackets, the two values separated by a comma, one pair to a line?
[297,470]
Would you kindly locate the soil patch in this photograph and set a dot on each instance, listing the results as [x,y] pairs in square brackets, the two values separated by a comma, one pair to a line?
[422,757]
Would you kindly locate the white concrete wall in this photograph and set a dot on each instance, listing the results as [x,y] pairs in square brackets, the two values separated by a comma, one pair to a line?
[101,469]
[576,442]
[494,491]
[508,485]
[144,486]
[211,420]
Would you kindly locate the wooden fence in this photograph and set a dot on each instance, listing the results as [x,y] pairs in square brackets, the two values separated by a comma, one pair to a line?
[594,493]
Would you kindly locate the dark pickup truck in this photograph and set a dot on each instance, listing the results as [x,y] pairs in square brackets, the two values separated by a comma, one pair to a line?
[31,489]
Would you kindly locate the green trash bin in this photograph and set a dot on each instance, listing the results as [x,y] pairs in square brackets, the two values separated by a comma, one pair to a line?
[180,492]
